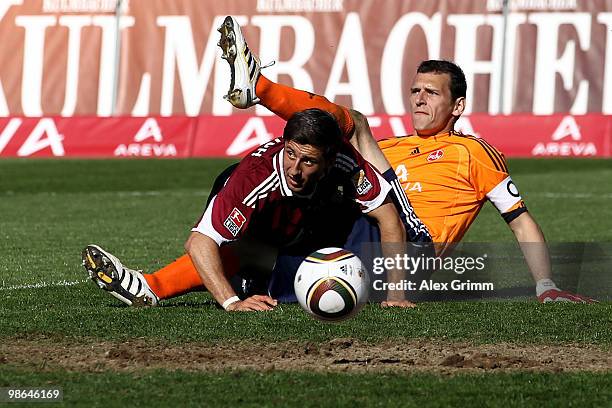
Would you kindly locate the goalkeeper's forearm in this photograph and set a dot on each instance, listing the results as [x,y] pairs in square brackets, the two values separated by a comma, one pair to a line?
[533,245]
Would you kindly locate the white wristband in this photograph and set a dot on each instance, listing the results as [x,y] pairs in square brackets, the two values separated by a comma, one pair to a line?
[543,285]
[230,301]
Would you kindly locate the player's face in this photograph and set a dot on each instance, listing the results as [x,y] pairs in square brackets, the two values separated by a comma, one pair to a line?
[304,165]
[431,104]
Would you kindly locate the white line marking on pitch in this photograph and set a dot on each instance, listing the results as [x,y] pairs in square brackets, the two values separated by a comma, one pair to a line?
[42,285]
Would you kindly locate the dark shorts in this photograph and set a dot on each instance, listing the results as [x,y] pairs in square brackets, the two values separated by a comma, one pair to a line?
[280,285]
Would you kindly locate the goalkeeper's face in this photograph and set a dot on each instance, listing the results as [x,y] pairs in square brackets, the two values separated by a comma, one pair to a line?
[431,104]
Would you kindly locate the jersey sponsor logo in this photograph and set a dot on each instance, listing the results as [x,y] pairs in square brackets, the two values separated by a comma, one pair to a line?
[234,221]
[435,155]
[416,186]
[402,176]
[362,183]
[415,151]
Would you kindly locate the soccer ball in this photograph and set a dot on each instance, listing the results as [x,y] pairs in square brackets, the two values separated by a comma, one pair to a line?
[332,284]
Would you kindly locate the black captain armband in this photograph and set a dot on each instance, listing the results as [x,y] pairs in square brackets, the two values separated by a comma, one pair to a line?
[512,215]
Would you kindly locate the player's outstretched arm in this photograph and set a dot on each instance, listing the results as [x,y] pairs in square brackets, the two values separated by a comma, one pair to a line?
[391,232]
[535,250]
[204,253]
[533,245]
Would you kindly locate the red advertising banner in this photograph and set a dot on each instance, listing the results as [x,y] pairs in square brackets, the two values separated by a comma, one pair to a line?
[524,135]
[96,137]
[234,136]
[213,136]
[144,78]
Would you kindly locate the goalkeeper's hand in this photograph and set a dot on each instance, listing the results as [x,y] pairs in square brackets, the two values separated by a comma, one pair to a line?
[558,295]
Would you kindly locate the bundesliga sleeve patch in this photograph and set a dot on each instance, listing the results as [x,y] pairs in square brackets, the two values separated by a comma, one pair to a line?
[504,195]
[362,183]
[234,221]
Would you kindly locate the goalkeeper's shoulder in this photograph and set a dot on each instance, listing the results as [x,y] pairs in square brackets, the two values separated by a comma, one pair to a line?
[481,151]
[395,142]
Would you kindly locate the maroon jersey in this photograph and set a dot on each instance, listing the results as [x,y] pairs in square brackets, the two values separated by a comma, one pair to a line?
[257,202]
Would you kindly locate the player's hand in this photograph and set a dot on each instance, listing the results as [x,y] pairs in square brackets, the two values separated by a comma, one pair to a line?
[558,295]
[406,304]
[253,303]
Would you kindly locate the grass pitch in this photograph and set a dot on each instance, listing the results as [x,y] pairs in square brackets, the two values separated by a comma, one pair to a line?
[142,210]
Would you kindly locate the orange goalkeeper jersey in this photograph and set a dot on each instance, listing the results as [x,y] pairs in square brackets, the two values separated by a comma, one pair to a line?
[448,178]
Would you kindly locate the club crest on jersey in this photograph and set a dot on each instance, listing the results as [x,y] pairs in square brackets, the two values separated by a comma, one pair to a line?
[362,183]
[435,155]
[234,221]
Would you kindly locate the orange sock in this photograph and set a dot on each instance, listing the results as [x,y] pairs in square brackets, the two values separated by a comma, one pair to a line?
[284,101]
[175,279]
[181,276]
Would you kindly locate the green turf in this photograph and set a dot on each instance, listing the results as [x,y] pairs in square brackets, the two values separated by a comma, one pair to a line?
[83,310]
[142,210]
[282,389]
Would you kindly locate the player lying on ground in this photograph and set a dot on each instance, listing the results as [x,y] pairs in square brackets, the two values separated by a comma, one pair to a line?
[296,194]
[447,176]
[271,198]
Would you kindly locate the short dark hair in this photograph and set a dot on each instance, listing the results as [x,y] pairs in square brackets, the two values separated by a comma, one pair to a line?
[458,86]
[315,127]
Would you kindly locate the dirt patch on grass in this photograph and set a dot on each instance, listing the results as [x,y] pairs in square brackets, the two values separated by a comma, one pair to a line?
[335,355]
